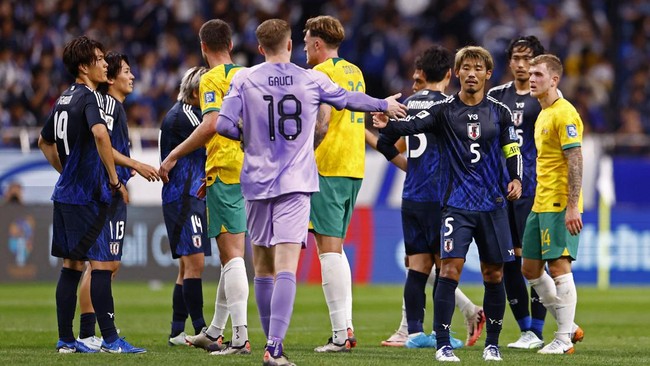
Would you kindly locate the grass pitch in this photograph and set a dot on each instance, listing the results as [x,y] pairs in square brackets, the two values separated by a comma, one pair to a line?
[616,324]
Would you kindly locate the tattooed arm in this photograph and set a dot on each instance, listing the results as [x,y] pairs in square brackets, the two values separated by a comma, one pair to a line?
[322,124]
[573,219]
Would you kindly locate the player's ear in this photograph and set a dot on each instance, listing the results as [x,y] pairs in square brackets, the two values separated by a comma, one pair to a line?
[261,50]
[83,69]
[231,46]
[289,45]
[488,74]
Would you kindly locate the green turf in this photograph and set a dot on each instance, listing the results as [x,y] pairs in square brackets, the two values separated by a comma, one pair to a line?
[615,322]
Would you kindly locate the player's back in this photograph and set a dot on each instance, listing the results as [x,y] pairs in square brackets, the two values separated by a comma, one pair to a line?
[178,125]
[422,152]
[225,156]
[280,103]
[69,125]
[346,133]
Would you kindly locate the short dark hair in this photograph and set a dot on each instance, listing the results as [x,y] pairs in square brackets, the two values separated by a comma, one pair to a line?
[80,51]
[114,61]
[435,62]
[271,34]
[216,34]
[530,42]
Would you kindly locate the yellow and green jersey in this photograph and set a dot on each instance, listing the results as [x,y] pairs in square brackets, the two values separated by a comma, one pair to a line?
[225,156]
[558,127]
[342,153]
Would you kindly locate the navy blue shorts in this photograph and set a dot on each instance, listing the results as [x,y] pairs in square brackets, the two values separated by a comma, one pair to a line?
[187,227]
[421,227]
[108,247]
[490,230]
[76,229]
[518,211]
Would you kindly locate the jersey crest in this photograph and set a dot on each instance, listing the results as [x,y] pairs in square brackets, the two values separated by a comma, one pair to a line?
[474,130]
[517,117]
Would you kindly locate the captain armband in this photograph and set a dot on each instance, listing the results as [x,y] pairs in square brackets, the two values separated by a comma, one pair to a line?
[511,150]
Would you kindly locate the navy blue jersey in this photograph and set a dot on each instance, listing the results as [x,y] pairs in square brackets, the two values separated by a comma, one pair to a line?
[119,131]
[471,138]
[69,125]
[185,178]
[422,151]
[525,110]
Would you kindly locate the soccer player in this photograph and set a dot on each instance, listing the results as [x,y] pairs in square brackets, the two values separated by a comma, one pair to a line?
[421,212]
[339,179]
[76,142]
[119,84]
[183,210]
[225,203]
[524,108]
[278,102]
[554,224]
[474,132]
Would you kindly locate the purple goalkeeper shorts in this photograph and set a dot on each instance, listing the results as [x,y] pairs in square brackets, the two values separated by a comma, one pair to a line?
[282,219]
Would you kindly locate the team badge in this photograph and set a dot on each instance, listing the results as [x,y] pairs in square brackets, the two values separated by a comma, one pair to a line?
[208,97]
[572,131]
[196,240]
[449,245]
[474,130]
[114,248]
[517,118]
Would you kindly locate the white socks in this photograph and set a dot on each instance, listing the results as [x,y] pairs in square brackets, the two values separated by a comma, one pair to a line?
[565,306]
[221,313]
[236,291]
[559,296]
[333,272]
[547,292]
[403,325]
[347,282]
[464,304]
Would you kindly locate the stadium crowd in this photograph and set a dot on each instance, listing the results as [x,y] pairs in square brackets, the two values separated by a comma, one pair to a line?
[604,46]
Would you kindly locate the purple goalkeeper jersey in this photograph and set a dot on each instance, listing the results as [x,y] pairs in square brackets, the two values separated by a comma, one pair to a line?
[278,103]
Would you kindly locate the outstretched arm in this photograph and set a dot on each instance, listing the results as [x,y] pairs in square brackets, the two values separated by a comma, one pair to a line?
[322,124]
[146,171]
[199,137]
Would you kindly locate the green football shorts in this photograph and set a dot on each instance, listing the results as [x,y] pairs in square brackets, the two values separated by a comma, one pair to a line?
[331,208]
[546,237]
[226,211]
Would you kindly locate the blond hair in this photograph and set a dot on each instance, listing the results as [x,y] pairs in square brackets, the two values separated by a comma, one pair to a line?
[553,63]
[326,27]
[190,83]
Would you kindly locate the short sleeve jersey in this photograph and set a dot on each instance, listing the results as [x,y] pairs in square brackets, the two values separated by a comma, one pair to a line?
[84,178]
[525,110]
[558,128]
[345,135]
[185,177]
[225,157]
[119,130]
[278,103]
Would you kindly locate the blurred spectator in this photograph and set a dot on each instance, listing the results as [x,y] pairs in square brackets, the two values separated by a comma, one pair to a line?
[13,195]
[605,45]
